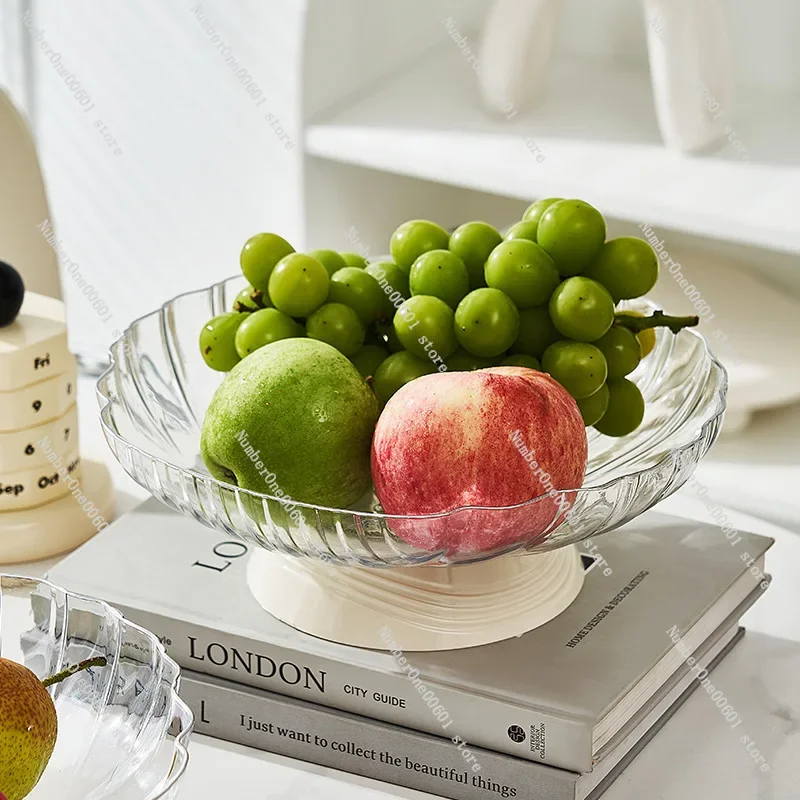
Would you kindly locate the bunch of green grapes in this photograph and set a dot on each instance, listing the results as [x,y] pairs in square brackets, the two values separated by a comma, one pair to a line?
[543,296]
[322,294]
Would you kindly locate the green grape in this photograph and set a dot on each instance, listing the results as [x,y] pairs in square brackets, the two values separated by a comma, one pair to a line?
[521,360]
[354,260]
[579,367]
[625,410]
[441,274]
[522,230]
[250,299]
[581,309]
[594,406]
[217,341]
[393,282]
[259,256]
[464,361]
[536,332]
[486,322]
[621,349]
[413,238]
[298,285]
[329,259]
[573,233]
[368,358]
[358,289]
[472,242]
[424,326]
[533,213]
[522,270]
[264,327]
[398,370]
[337,325]
[627,267]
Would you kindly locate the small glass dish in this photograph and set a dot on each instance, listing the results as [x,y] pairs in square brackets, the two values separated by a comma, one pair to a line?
[123,732]
[154,395]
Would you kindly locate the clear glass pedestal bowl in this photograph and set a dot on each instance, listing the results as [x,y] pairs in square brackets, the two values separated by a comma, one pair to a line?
[154,396]
[155,393]
[123,731]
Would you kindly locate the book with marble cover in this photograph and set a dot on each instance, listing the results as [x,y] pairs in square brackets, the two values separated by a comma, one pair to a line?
[557,695]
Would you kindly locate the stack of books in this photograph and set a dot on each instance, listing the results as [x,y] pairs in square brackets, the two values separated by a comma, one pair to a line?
[555,714]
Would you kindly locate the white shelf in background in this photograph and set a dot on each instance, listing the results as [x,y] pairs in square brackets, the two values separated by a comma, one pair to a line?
[596,134]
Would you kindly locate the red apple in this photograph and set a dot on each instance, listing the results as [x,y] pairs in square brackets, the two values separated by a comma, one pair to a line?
[491,438]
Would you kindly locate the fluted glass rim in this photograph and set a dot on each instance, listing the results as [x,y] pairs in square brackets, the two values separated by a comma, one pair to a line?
[182,714]
[104,400]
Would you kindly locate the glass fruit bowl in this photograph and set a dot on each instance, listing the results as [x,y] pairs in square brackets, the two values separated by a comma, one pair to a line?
[123,731]
[154,395]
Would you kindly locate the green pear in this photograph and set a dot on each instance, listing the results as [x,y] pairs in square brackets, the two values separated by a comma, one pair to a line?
[293,418]
[28,725]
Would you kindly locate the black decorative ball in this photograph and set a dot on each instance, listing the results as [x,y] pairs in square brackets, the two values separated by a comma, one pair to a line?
[12,293]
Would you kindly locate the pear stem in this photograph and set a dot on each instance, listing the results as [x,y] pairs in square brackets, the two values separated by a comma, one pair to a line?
[98,661]
[658,319]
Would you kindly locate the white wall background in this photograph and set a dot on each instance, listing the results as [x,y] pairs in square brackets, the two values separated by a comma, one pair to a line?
[200,169]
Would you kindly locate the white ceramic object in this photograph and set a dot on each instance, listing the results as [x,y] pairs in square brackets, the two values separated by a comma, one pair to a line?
[515,50]
[47,496]
[23,204]
[752,326]
[34,346]
[21,449]
[688,46]
[425,608]
[60,525]
[34,486]
[40,402]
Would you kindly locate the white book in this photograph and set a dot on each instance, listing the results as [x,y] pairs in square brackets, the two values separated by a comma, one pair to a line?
[557,695]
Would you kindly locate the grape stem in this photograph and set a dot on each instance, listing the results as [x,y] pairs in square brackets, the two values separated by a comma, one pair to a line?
[658,319]
[257,296]
[99,661]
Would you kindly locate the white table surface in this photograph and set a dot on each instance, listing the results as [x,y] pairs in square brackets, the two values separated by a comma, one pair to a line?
[695,755]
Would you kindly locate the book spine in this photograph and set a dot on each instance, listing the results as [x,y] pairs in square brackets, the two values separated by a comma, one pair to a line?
[301,730]
[463,719]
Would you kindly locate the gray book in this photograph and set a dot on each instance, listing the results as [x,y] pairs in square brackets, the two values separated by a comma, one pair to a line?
[310,732]
[557,695]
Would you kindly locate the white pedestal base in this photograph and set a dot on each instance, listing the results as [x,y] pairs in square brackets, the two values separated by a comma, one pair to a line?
[417,608]
[59,526]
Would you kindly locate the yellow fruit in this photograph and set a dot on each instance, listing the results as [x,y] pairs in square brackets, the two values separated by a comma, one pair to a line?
[28,728]
[28,725]
[647,337]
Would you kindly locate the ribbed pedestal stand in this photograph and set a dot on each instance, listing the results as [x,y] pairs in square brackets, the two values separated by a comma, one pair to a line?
[417,608]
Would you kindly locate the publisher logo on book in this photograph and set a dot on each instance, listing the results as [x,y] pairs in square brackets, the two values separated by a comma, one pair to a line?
[516,734]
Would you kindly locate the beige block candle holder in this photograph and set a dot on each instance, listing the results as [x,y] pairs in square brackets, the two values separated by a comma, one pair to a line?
[50,501]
